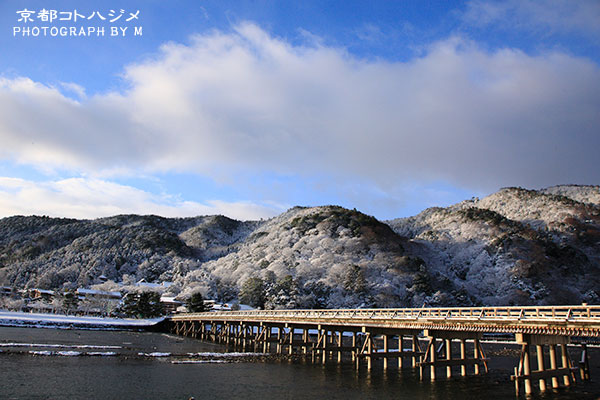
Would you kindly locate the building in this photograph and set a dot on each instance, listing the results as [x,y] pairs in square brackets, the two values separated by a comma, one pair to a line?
[170,304]
[98,294]
[41,294]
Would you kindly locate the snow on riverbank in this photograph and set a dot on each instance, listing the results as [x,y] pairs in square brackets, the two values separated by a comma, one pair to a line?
[200,362]
[11,318]
[226,355]
[74,346]
[155,354]
[72,353]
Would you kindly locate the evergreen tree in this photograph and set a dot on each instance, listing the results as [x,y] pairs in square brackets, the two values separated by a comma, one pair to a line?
[70,301]
[253,292]
[282,294]
[196,303]
[149,305]
[129,305]
[422,282]
[144,304]
[355,281]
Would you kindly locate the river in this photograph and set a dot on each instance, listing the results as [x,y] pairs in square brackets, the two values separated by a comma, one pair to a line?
[83,364]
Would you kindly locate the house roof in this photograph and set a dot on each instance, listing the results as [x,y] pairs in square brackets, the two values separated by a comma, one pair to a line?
[98,292]
[169,299]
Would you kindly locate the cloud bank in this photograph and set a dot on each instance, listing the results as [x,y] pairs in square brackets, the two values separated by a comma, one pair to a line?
[94,198]
[247,101]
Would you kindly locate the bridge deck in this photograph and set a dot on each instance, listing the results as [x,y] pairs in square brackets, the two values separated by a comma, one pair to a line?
[582,320]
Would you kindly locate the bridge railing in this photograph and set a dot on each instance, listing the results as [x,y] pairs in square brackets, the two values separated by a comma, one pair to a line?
[581,313]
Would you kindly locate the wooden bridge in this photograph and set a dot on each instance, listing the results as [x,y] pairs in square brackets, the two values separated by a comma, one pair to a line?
[393,335]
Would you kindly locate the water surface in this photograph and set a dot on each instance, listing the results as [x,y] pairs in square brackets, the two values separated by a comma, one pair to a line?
[126,374]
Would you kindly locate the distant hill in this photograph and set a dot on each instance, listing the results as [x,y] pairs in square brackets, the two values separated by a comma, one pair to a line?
[515,246]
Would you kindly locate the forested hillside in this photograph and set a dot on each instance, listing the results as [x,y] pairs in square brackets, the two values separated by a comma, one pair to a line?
[515,246]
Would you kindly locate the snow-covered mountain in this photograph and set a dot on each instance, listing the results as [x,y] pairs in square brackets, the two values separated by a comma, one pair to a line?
[319,257]
[515,246]
[52,253]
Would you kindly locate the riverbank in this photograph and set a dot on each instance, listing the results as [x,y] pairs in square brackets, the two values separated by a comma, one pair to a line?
[58,321]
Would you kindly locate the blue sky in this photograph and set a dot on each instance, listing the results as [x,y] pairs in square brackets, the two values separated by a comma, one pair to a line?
[248,108]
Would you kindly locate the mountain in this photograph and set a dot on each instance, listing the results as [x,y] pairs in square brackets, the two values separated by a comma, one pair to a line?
[52,252]
[515,246]
[320,257]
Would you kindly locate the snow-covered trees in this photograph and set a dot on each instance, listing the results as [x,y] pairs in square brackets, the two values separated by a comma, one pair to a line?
[252,292]
[516,245]
[142,304]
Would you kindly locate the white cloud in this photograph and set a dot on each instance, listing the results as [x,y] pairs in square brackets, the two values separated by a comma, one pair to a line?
[92,198]
[544,16]
[78,90]
[247,101]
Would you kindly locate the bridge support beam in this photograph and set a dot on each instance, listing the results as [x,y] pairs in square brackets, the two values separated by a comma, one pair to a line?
[400,349]
[448,357]
[354,345]
[433,359]
[415,348]
[524,373]
[340,345]
[584,364]
[376,343]
[306,341]
[385,350]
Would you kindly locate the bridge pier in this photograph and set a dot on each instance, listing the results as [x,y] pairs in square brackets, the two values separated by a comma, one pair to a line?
[584,364]
[524,373]
[463,355]
[416,348]
[330,343]
[340,345]
[354,345]
[400,349]
[432,354]
[291,340]
[321,347]
[306,341]
[368,346]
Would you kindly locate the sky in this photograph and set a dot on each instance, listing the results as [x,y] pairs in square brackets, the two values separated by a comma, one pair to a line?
[247,108]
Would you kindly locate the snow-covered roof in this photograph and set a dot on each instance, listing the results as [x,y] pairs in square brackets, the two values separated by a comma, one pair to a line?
[147,284]
[143,283]
[169,299]
[43,291]
[221,307]
[93,292]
